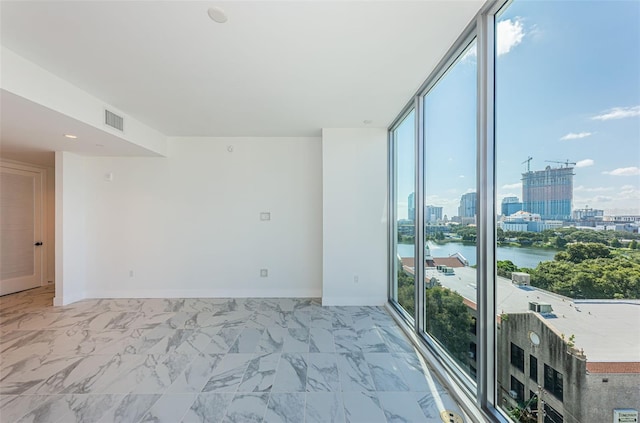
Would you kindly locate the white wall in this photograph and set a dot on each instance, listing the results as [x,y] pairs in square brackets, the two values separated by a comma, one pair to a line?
[189,225]
[354,216]
[71,235]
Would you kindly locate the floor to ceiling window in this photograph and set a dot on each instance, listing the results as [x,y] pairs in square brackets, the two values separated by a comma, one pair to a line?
[567,108]
[404,206]
[450,127]
[517,211]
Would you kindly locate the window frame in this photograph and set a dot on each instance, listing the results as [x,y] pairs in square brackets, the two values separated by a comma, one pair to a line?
[483,393]
[533,369]
[517,355]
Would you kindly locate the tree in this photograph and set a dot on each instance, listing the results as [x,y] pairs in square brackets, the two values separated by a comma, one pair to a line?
[579,252]
[633,245]
[448,320]
[505,268]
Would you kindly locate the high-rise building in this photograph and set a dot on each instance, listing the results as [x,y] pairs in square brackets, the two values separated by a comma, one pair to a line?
[467,206]
[433,213]
[548,192]
[411,209]
[510,205]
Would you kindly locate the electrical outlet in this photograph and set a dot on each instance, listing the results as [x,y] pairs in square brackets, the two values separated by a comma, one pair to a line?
[265,216]
[130,273]
[264,273]
[356,278]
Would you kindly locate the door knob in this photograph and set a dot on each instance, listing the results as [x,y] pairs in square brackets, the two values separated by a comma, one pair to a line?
[39,243]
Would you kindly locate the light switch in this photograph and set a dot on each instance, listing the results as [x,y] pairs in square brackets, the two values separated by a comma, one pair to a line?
[265,216]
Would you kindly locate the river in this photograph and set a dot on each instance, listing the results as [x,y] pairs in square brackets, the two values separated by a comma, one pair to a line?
[520,256]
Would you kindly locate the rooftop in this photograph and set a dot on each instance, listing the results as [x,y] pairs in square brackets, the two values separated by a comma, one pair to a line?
[591,321]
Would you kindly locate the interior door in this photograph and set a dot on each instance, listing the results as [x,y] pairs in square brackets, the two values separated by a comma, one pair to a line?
[20,230]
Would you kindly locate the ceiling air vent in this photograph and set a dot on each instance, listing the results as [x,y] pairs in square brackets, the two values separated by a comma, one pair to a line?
[113,120]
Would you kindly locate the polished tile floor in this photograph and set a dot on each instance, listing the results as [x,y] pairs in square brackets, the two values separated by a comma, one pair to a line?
[208,360]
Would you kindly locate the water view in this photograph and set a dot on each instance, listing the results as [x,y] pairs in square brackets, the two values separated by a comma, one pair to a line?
[520,256]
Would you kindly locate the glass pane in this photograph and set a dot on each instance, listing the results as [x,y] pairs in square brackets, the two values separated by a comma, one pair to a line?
[405,213]
[450,211]
[568,191]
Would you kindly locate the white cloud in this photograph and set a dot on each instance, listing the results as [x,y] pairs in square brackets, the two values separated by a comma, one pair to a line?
[509,33]
[618,113]
[624,171]
[585,163]
[596,189]
[461,176]
[575,136]
[602,199]
[512,186]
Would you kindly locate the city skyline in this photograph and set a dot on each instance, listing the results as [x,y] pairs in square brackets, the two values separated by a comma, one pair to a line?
[586,109]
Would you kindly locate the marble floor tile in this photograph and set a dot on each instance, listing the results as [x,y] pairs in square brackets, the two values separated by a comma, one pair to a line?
[169,408]
[322,373]
[247,341]
[208,407]
[13,407]
[395,339]
[222,341]
[412,370]
[52,408]
[260,374]
[363,407]
[321,340]
[88,408]
[137,341]
[228,375]
[291,374]
[247,408]
[298,319]
[93,376]
[285,408]
[196,374]
[385,372]
[272,340]
[324,407]
[208,360]
[296,340]
[81,369]
[370,341]
[401,407]
[153,375]
[131,408]
[434,402]
[354,372]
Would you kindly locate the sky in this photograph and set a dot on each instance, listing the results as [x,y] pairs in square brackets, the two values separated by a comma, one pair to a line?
[567,89]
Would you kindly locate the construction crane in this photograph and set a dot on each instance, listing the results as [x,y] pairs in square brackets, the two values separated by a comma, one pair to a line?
[566,162]
[528,161]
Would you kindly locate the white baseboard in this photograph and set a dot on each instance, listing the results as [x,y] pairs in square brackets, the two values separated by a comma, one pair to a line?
[67,299]
[354,301]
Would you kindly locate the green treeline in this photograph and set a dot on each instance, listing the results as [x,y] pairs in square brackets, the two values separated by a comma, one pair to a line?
[586,270]
[448,319]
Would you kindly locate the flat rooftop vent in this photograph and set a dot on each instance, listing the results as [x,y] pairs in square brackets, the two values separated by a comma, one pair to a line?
[540,307]
[113,120]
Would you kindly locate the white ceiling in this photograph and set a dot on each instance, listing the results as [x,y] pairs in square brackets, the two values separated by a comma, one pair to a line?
[32,133]
[276,68]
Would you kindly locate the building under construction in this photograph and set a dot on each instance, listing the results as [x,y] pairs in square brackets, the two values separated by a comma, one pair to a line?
[548,192]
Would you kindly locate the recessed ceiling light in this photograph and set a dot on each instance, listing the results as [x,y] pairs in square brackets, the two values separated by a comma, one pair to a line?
[217,14]
[73,137]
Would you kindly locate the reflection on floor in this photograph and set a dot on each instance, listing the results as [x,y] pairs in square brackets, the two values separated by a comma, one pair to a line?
[208,360]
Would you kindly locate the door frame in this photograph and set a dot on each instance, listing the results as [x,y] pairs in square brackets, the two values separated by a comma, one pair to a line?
[45,220]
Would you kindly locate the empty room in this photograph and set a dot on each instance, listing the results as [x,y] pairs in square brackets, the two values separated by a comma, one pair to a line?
[319,211]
